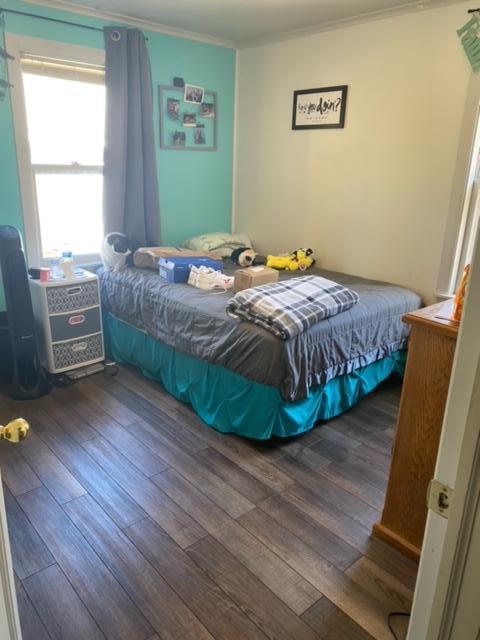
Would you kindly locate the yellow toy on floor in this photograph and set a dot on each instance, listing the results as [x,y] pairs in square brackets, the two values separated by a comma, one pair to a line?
[300,259]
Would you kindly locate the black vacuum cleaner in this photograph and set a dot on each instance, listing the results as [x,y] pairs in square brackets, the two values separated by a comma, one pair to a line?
[19,362]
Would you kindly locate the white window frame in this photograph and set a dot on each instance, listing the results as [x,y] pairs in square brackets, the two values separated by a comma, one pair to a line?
[19,46]
[458,227]
[469,219]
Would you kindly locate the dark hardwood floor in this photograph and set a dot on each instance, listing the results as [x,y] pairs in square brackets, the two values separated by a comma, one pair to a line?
[130,519]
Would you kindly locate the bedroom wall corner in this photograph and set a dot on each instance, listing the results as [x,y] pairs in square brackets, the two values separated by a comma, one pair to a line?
[235,144]
[372,199]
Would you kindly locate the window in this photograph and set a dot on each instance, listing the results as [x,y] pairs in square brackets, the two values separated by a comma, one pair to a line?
[470,214]
[59,118]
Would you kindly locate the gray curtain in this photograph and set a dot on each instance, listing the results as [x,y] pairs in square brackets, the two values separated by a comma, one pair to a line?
[130,201]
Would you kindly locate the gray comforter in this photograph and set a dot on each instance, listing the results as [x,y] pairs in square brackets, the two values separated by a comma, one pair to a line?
[194,321]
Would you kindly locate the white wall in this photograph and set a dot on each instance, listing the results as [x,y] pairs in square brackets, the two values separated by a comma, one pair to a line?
[371,199]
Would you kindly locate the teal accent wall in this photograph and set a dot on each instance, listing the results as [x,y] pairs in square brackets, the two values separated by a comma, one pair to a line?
[195,187]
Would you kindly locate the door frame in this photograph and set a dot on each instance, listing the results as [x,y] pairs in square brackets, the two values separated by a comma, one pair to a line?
[9,619]
[468,485]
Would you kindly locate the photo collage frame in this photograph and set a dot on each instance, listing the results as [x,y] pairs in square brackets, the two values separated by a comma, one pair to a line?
[188,118]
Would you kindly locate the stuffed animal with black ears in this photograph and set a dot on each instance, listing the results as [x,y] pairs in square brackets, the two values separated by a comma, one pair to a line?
[304,258]
[244,257]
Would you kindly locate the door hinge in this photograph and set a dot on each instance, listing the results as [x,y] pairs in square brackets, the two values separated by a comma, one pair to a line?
[439,498]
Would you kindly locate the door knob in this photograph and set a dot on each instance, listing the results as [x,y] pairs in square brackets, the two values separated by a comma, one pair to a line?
[15,430]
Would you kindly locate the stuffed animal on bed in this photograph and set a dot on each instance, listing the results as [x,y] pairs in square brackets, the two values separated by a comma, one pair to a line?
[115,251]
[282,263]
[300,259]
[304,259]
[244,256]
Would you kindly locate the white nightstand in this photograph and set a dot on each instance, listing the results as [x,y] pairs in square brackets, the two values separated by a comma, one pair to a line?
[69,319]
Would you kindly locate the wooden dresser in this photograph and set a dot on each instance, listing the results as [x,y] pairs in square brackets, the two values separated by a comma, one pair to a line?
[422,405]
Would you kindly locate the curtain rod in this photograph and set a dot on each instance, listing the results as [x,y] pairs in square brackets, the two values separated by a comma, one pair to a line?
[36,15]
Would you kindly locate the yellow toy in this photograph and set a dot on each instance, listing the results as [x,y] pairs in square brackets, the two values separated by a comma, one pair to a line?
[300,259]
[304,259]
[287,263]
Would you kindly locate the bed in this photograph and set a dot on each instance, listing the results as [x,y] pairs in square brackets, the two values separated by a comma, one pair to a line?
[238,377]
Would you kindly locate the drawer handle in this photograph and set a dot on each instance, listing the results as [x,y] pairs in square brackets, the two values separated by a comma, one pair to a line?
[73,290]
[76,320]
[80,346]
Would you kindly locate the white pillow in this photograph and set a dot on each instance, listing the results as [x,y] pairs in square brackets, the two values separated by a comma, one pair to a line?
[221,243]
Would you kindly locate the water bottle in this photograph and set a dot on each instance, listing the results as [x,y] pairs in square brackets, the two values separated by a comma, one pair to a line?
[67,256]
[66,264]
[55,272]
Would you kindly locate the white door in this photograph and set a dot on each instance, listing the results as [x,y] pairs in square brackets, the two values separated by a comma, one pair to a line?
[446,602]
[9,620]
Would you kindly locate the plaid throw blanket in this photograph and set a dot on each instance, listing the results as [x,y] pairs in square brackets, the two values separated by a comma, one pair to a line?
[290,307]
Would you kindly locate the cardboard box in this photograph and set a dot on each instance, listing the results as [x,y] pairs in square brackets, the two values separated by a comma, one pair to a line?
[253,277]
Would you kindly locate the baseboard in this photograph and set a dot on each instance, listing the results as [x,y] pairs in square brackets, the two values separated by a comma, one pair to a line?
[405,547]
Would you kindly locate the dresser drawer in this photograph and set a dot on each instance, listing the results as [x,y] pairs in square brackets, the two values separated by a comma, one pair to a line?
[69,326]
[75,353]
[72,296]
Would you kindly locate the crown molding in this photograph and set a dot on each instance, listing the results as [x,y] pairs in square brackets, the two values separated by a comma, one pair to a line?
[370,16]
[120,18]
[157,27]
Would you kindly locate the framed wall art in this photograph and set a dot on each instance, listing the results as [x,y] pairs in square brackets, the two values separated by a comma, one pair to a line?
[320,108]
[188,118]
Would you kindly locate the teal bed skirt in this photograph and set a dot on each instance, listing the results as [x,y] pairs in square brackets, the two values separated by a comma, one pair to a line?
[231,403]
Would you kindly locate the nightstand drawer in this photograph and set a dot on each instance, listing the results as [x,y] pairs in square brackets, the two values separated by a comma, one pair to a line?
[69,326]
[72,296]
[75,353]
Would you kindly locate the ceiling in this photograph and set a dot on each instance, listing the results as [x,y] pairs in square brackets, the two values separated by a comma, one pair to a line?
[244,21]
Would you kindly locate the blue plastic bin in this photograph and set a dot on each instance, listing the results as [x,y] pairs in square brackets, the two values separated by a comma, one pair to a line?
[178,269]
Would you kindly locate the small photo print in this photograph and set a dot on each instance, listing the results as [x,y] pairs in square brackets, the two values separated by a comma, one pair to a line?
[179,138]
[193,94]
[173,108]
[199,135]
[189,119]
[207,110]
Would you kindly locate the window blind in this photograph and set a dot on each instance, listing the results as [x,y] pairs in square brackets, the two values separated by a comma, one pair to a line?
[63,69]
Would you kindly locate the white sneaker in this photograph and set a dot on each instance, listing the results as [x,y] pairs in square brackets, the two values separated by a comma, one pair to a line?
[207,278]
